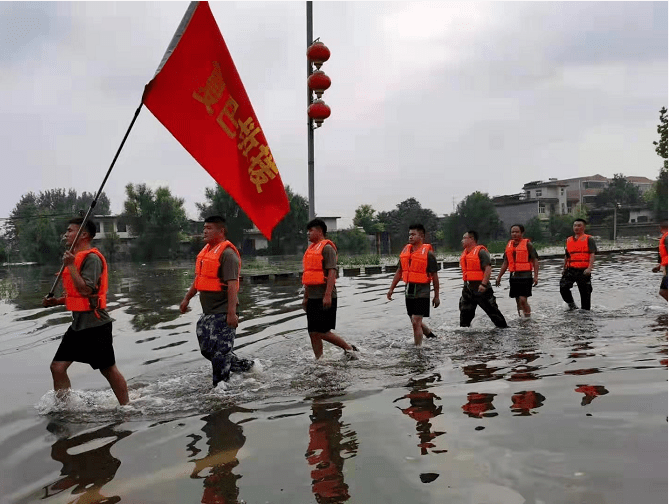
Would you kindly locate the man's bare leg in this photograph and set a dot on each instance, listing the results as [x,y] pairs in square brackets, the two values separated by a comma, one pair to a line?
[417,324]
[117,382]
[61,382]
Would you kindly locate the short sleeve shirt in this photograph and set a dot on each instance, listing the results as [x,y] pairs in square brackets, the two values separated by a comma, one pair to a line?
[329,262]
[90,271]
[216,302]
[416,290]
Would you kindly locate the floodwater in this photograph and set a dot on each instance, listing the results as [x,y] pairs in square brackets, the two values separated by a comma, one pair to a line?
[568,407]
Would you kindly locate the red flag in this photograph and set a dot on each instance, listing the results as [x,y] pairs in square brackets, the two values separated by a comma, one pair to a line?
[198,96]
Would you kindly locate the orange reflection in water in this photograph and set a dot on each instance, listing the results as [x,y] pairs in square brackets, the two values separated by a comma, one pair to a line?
[479,405]
[224,439]
[88,471]
[330,443]
[422,409]
[523,402]
[590,391]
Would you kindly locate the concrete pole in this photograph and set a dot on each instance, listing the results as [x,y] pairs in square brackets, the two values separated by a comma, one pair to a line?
[310,125]
[615,221]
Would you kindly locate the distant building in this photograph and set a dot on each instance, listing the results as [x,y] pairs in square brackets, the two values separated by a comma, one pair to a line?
[561,197]
[254,240]
[106,225]
[551,197]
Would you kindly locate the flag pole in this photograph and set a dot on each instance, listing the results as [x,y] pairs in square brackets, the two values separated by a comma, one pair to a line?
[95,200]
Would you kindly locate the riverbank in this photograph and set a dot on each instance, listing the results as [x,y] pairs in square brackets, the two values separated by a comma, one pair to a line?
[262,269]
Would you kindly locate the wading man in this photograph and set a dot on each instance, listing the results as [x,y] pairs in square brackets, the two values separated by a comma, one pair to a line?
[89,338]
[476,270]
[320,294]
[662,261]
[521,259]
[579,259]
[217,270]
[417,268]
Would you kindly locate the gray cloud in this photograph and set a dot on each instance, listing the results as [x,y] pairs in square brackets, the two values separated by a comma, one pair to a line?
[430,100]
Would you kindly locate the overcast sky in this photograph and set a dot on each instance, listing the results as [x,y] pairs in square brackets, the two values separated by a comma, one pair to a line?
[429,100]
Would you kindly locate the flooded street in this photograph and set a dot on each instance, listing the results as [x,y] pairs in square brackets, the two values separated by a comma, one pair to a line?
[567,407]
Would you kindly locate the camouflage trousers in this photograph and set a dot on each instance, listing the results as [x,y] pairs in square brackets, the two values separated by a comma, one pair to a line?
[216,341]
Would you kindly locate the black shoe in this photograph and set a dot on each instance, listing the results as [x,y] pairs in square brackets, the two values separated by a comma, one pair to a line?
[431,335]
[353,353]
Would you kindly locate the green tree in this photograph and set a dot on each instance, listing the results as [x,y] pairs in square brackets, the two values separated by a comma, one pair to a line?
[291,232]
[156,219]
[351,241]
[365,218]
[476,212]
[110,246]
[658,193]
[408,212]
[37,222]
[620,191]
[535,230]
[219,202]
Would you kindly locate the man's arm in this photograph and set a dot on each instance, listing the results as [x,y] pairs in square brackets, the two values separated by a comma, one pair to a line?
[77,279]
[485,283]
[502,270]
[535,267]
[591,263]
[232,318]
[396,280]
[329,286]
[183,307]
[435,283]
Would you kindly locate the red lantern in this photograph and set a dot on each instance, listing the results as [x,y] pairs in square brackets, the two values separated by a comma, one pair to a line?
[318,53]
[318,112]
[318,82]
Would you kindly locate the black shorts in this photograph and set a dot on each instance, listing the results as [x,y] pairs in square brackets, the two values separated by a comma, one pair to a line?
[663,284]
[520,287]
[91,346]
[418,306]
[320,320]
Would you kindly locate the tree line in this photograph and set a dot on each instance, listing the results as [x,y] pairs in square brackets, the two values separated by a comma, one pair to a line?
[158,222]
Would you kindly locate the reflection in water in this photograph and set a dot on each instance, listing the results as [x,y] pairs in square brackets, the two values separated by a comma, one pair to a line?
[86,472]
[481,372]
[525,401]
[479,404]
[328,438]
[422,408]
[590,391]
[152,295]
[224,439]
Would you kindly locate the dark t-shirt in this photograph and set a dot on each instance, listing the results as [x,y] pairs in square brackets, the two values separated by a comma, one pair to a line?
[532,254]
[216,302]
[91,270]
[329,262]
[416,290]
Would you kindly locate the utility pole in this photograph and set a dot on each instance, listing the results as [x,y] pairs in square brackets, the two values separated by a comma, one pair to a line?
[310,122]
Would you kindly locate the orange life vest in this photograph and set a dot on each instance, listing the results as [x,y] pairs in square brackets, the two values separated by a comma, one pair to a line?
[414,264]
[312,263]
[518,257]
[579,256]
[74,301]
[208,263]
[663,249]
[471,265]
